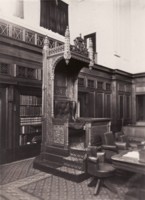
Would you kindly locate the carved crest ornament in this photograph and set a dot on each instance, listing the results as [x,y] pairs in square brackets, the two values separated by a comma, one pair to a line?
[78,50]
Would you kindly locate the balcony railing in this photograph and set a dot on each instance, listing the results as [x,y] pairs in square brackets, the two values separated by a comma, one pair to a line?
[20,33]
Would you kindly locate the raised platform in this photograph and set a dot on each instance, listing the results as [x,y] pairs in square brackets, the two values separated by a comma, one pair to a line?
[71,167]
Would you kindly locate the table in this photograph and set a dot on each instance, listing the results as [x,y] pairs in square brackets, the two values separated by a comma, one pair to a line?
[129,161]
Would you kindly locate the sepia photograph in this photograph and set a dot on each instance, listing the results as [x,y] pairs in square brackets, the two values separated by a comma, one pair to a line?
[72,100]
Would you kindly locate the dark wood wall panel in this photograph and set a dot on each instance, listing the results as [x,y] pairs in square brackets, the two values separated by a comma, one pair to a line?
[107,106]
[91,105]
[99,105]
[2,117]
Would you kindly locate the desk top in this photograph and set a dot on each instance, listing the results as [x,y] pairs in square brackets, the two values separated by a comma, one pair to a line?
[128,160]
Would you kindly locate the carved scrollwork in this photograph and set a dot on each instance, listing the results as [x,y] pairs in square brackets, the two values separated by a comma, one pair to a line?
[56,50]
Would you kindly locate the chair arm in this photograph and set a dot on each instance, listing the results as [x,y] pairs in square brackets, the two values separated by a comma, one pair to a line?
[109,147]
[123,138]
[93,159]
[121,145]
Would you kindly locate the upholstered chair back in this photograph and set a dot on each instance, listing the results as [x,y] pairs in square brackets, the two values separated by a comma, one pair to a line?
[109,138]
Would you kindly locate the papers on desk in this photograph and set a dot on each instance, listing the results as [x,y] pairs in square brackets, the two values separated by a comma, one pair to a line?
[132,154]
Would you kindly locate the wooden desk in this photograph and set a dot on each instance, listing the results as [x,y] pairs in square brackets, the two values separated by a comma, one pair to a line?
[129,161]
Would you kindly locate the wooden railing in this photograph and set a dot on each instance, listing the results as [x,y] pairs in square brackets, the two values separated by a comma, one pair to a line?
[20,33]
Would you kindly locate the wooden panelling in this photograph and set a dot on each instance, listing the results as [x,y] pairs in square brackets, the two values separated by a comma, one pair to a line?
[91,105]
[107,105]
[20,53]
[99,105]
[2,118]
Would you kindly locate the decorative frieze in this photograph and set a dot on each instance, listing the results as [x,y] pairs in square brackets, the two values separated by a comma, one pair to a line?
[56,50]
[17,33]
[26,35]
[30,37]
[4,29]
[40,39]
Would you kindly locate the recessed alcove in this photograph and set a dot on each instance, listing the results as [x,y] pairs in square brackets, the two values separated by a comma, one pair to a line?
[77,139]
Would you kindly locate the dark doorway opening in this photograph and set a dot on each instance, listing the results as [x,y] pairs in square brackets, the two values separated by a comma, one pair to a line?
[140,107]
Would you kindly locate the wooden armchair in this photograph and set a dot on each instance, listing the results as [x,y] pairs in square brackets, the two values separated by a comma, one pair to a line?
[99,169]
[111,147]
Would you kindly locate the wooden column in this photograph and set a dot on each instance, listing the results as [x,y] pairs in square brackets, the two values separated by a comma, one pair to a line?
[133,114]
[114,103]
[47,137]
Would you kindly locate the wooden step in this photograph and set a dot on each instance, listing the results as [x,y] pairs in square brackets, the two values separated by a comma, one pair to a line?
[60,170]
[74,162]
[79,153]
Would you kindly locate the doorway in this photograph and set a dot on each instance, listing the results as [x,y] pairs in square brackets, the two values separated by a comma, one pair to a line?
[140,107]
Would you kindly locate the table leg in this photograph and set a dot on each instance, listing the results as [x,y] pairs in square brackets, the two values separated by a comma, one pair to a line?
[110,186]
[97,187]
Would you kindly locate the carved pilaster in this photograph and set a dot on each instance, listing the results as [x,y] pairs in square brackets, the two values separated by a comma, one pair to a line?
[88,133]
[114,103]
[66,136]
[109,126]
[91,54]
[133,103]
[52,80]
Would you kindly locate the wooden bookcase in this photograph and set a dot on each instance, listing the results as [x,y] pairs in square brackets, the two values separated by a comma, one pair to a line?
[30,119]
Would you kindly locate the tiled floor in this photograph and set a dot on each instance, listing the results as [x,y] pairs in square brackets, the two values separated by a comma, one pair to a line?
[19,181]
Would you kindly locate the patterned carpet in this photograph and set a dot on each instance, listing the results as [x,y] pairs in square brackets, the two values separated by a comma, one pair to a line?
[19,181]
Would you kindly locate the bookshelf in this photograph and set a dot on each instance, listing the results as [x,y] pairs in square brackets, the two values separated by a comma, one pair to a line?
[30,120]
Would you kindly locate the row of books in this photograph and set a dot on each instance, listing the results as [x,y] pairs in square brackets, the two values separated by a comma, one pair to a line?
[30,119]
[30,111]
[29,129]
[30,100]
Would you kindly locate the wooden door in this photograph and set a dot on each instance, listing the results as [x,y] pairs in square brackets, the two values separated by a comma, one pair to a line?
[2,119]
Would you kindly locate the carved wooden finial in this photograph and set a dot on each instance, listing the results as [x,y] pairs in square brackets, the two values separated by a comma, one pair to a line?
[67,32]
[67,53]
[46,43]
[91,54]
